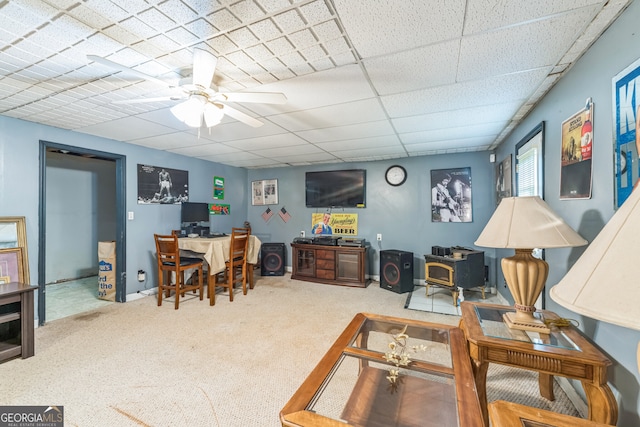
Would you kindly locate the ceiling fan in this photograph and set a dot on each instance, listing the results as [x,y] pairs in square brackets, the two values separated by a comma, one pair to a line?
[202,104]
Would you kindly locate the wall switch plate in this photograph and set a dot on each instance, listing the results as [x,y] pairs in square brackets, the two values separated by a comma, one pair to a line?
[130,216]
[379,237]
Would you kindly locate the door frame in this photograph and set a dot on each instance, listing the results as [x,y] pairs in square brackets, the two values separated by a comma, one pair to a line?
[121,259]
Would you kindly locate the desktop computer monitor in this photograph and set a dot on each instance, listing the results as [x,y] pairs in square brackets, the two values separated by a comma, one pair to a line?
[192,213]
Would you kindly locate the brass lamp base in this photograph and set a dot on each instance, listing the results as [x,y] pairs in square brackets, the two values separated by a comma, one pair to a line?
[532,324]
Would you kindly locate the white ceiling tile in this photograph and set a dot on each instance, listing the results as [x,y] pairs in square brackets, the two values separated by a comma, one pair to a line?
[265,30]
[350,132]
[280,46]
[177,142]
[267,142]
[272,6]
[455,118]
[316,12]
[484,15]
[223,20]
[121,35]
[361,143]
[538,44]
[243,37]
[499,90]
[126,129]
[137,27]
[202,151]
[179,12]
[108,9]
[89,16]
[330,116]
[289,21]
[481,142]
[457,133]
[294,150]
[399,25]
[419,68]
[157,19]
[182,37]
[201,28]
[246,10]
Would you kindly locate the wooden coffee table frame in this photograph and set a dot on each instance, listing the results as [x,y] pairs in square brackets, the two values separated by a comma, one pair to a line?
[295,412]
[588,364]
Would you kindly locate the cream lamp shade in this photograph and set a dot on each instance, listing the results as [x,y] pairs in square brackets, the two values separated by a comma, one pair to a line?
[603,283]
[523,224]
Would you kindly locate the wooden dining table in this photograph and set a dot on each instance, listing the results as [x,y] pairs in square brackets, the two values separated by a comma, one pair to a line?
[215,251]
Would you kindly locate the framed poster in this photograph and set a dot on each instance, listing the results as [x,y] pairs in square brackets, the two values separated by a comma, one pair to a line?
[11,267]
[503,179]
[575,154]
[264,192]
[218,188]
[157,185]
[626,128]
[451,195]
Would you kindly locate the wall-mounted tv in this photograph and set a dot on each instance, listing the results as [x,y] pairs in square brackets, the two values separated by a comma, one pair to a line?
[194,212]
[341,188]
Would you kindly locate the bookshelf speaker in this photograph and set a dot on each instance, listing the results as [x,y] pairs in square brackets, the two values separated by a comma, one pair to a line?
[272,257]
[396,271]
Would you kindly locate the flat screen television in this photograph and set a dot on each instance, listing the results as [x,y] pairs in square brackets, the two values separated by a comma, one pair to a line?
[194,212]
[341,188]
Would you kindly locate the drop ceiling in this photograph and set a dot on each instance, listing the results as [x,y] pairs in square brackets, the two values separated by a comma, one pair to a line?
[365,80]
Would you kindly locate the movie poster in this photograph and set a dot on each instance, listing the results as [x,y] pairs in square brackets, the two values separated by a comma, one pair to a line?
[576,149]
[626,132]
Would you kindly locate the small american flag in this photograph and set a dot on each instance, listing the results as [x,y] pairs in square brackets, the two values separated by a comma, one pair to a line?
[284,214]
[267,214]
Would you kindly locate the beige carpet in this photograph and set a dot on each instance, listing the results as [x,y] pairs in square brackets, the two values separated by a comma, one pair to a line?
[234,364]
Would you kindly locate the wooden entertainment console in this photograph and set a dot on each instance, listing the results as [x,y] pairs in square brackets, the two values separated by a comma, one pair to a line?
[333,265]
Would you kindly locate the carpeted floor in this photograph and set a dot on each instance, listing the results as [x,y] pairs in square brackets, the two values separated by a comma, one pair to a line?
[234,364]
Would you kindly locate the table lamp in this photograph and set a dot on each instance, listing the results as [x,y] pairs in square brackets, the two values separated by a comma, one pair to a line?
[603,283]
[523,224]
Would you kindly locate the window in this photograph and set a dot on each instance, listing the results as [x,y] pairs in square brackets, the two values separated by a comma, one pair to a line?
[530,176]
[530,162]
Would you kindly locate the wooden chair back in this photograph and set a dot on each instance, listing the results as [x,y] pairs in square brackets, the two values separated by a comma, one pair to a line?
[170,262]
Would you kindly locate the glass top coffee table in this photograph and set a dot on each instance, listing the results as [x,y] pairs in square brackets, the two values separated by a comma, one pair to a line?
[354,382]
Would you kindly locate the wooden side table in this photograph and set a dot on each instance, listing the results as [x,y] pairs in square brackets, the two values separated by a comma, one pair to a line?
[565,352]
[508,414]
[16,320]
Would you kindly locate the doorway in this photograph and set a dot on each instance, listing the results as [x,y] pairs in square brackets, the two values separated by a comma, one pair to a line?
[96,181]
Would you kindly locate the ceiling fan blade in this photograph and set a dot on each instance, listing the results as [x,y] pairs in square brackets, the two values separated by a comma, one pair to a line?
[241,117]
[143,100]
[258,97]
[120,67]
[204,65]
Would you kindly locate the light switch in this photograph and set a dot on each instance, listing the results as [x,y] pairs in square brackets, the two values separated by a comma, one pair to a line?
[130,216]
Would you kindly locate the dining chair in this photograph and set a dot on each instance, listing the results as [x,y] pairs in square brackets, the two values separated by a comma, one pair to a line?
[236,267]
[170,261]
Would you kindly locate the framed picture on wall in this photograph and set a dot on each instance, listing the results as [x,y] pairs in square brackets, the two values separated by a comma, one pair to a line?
[576,149]
[264,192]
[625,92]
[451,195]
[158,185]
[503,179]
[11,268]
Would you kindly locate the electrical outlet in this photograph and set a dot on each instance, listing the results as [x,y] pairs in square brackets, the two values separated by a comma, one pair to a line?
[302,233]
[379,237]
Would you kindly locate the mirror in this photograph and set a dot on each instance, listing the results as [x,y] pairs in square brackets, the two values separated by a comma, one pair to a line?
[13,234]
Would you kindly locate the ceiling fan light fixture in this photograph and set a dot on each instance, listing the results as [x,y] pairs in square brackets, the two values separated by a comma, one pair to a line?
[190,111]
[213,114]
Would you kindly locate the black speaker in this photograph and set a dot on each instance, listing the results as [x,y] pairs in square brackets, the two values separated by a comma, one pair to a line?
[396,271]
[272,257]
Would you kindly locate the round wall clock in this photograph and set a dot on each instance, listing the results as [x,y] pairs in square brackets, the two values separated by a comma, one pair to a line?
[395,175]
